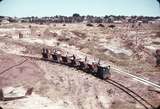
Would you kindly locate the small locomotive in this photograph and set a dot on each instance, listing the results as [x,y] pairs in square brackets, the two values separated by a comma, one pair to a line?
[94,69]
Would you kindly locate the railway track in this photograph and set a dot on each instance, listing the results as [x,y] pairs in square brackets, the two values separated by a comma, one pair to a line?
[13,67]
[113,68]
[142,80]
[131,93]
[128,91]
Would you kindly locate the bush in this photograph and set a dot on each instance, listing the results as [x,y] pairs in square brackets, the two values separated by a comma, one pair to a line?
[100,25]
[158,34]
[111,26]
[89,24]
[79,34]
[61,38]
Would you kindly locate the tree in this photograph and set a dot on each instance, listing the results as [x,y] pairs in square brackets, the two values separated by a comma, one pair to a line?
[158,2]
[76,15]
[106,16]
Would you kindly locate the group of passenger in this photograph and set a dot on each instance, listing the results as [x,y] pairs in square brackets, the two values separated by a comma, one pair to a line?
[70,60]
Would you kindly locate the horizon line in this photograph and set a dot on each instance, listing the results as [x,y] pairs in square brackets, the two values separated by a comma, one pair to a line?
[80,15]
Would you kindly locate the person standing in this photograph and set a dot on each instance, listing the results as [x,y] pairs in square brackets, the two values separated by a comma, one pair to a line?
[157,56]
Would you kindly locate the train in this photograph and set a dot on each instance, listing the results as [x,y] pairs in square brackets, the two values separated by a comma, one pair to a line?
[95,69]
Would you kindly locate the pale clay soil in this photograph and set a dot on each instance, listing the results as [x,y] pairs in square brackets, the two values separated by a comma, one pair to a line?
[60,87]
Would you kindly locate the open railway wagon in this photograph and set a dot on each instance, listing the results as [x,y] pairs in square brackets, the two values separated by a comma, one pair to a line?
[102,72]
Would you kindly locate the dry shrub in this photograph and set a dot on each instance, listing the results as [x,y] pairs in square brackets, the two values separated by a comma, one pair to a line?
[111,26]
[50,34]
[89,24]
[30,26]
[61,38]
[128,44]
[20,35]
[54,34]
[79,34]
[157,34]
[100,25]
[156,42]
[72,42]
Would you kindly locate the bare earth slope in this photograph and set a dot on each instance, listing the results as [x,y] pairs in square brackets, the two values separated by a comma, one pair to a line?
[60,87]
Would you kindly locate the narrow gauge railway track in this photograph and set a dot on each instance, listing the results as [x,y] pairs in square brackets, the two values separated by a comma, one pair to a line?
[142,80]
[13,67]
[126,90]
[139,79]
[131,93]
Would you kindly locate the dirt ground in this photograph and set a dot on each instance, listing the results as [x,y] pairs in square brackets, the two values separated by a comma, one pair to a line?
[60,87]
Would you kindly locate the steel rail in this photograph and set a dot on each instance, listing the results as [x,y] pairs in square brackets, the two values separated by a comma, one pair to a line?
[142,80]
[117,70]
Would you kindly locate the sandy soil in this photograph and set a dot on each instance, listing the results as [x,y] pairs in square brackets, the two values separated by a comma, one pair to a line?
[60,87]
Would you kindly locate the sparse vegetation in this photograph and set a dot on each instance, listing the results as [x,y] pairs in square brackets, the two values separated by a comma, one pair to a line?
[111,26]
[158,34]
[89,24]
[115,47]
[100,25]
[62,38]
[79,34]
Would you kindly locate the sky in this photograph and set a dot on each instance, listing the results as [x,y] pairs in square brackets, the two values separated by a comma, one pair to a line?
[40,8]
